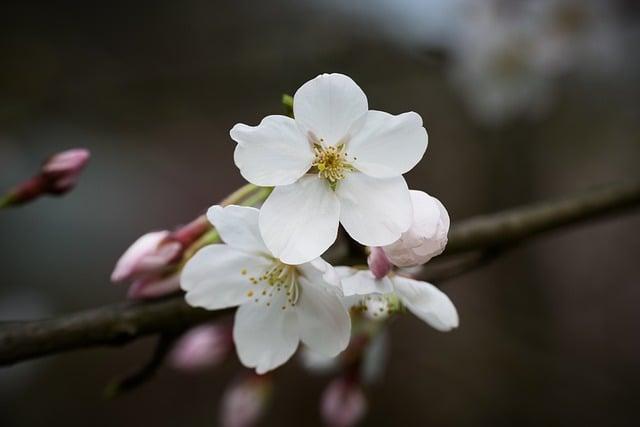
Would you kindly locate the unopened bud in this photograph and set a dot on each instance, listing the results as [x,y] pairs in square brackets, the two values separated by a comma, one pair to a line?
[378,262]
[245,401]
[152,261]
[154,286]
[343,403]
[61,171]
[147,255]
[202,347]
[427,236]
[58,175]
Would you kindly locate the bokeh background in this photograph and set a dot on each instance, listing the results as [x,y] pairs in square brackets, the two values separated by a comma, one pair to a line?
[523,101]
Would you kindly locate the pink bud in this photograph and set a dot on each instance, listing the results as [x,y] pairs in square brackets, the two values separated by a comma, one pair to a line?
[202,347]
[427,236]
[154,286]
[191,232]
[244,403]
[378,262]
[58,175]
[62,170]
[145,256]
[343,403]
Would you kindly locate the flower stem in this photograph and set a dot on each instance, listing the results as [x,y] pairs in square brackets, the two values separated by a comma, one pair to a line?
[6,201]
[258,196]
[239,195]
[248,195]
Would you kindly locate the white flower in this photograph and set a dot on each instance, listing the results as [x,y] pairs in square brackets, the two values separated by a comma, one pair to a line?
[280,304]
[421,298]
[337,162]
[427,236]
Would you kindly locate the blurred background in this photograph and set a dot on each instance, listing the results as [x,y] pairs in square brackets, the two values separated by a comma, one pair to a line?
[523,101]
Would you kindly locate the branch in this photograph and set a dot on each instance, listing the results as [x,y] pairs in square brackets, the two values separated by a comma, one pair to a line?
[121,323]
[515,225]
[115,324]
[146,371]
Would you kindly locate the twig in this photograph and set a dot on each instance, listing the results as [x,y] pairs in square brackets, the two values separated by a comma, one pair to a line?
[121,323]
[145,372]
[441,273]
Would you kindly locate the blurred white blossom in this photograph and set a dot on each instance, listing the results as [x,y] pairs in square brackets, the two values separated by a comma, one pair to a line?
[202,347]
[245,401]
[505,57]
[343,403]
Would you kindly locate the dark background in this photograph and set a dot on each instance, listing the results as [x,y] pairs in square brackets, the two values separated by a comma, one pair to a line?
[549,332]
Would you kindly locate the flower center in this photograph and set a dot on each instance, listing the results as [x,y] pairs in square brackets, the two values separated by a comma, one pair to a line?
[278,277]
[331,162]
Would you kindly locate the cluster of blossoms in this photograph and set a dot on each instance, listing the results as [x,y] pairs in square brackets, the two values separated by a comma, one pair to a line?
[334,163]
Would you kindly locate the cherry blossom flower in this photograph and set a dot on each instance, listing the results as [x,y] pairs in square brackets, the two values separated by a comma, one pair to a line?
[426,238]
[279,304]
[336,162]
[378,296]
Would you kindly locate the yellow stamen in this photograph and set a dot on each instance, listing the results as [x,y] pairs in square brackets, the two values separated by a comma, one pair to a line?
[331,163]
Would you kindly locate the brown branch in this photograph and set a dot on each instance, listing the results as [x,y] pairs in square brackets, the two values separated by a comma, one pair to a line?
[115,324]
[515,225]
[121,323]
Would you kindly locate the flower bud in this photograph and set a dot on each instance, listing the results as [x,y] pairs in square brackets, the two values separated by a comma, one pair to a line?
[154,286]
[151,262]
[202,347]
[378,262]
[343,403]
[58,175]
[244,403]
[62,170]
[147,255]
[427,236]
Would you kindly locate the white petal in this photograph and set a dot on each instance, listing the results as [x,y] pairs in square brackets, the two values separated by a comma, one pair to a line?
[298,222]
[374,211]
[427,302]
[388,145]
[265,336]
[273,153]
[364,283]
[238,227]
[328,106]
[218,276]
[325,325]
[321,270]
[344,271]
